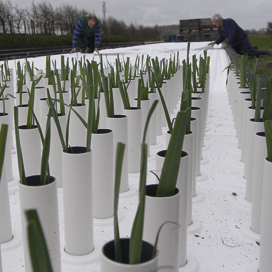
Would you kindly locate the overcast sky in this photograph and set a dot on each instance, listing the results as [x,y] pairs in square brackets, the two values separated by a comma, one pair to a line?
[248,14]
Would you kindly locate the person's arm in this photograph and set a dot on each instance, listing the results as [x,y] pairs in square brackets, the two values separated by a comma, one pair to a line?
[76,35]
[97,38]
[220,39]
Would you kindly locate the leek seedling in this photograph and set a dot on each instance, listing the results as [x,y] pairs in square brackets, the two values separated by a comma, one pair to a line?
[166,112]
[5,72]
[90,125]
[258,100]
[236,64]
[64,69]
[136,237]
[194,73]
[2,89]
[186,103]
[47,66]
[267,105]
[268,136]
[96,77]
[126,70]
[30,117]
[101,65]
[30,70]
[108,95]
[158,72]
[124,95]
[39,254]
[45,174]
[60,91]
[243,60]
[74,85]
[3,139]
[170,169]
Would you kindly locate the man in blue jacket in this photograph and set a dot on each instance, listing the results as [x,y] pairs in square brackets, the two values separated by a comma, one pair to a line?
[236,37]
[86,34]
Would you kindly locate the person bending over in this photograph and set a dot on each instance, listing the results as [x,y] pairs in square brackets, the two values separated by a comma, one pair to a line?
[236,37]
[86,34]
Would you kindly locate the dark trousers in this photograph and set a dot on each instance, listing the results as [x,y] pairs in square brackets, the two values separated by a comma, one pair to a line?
[84,42]
[244,47]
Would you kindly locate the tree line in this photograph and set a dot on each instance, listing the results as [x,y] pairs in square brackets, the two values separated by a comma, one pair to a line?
[43,19]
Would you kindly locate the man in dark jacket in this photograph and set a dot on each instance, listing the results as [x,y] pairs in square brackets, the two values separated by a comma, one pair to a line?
[236,37]
[87,30]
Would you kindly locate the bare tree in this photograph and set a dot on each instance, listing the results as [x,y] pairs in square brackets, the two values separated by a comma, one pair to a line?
[33,16]
[46,18]
[111,26]
[5,16]
[20,19]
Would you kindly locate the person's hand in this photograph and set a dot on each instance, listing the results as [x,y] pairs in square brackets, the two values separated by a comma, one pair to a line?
[224,45]
[96,50]
[73,50]
[212,43]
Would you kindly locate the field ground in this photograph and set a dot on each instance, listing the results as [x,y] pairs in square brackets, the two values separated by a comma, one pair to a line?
[263,42]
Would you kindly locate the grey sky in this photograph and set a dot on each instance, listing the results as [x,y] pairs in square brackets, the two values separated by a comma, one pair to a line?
[248,14]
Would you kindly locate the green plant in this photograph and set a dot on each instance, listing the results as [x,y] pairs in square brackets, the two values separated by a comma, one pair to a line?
[268,136]
[186,103]
[90,124]
[47,66]
[58,89]
[3,138]
[124,94]
[4,97]
[243,60]
[75,88]
[30,116]
[45,173]
[64,69]
[5,71]
[30,69]
[194,73]
[170,169]
[267,106]
[108,95]
[251,82]
[136,237]
[166,112]
[39,255]
[203,70]
[158,71]
[257,117]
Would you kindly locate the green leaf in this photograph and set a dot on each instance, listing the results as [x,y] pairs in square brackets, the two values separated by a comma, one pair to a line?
[39,255]
[167,115]
[243,71]
[56,119]
[267,106]
[19,149]
[258,101]
[152,109]
[45,174]
[136,237]
[30,119]
[268,136]
[108,97]
[90,117]
[118,173]
[124,95]
[3,138]
[169,174]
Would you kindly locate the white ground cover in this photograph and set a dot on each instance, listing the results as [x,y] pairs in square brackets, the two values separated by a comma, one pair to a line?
[219,238]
